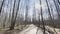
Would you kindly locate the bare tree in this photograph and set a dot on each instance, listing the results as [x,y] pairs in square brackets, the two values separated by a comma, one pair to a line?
[57,7]
[34,13]
[52,19]
[12,27]
[58,1]
[42,18]
[5,16]
[14,19]
[10,12]
[1,6]
[26,10]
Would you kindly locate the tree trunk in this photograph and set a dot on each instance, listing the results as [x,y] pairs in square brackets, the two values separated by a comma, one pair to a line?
[14,20]
[1,6]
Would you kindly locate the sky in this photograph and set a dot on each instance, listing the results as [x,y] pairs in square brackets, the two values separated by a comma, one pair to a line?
[8,6]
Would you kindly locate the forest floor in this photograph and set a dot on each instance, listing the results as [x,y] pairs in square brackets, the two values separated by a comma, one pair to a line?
[31,29]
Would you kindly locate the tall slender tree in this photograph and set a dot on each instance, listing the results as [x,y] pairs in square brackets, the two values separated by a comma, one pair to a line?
[14,20]
[4,22]
[38,21]
[10,12]
[12,27]
[57,6]
[1,6]
[26,13]
[42,17]
[34,13]
[58,1]
[51,16]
